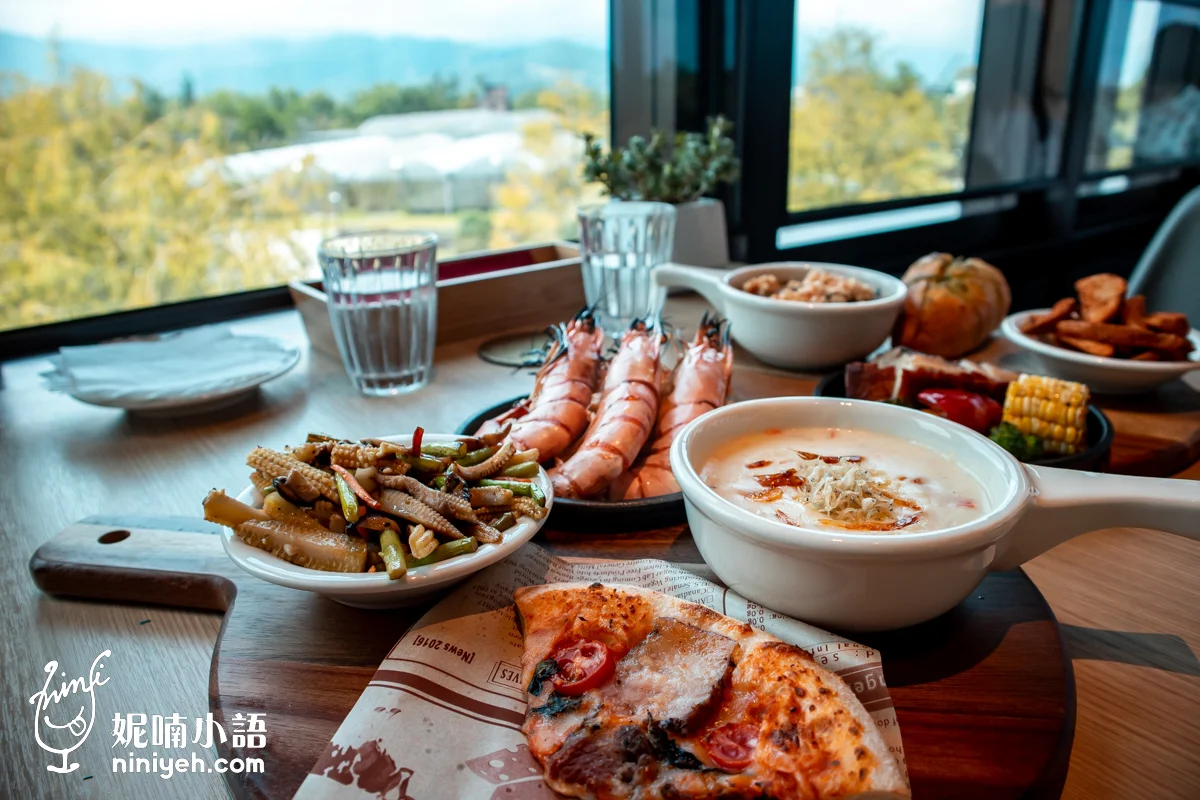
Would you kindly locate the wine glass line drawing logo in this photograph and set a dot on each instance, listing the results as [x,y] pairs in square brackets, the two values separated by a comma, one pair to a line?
[47,702]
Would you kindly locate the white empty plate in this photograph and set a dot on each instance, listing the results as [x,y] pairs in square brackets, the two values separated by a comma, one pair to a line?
[181,373]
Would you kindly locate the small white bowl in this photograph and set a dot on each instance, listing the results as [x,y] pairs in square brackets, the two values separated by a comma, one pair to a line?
[375,589]
[1102,375]
[863,581]
[791,334]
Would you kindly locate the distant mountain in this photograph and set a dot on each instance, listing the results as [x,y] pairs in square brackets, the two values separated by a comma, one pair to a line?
[338,65]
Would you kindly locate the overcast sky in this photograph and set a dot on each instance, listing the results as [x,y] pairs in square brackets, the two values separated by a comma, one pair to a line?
[913,22]
[165,21]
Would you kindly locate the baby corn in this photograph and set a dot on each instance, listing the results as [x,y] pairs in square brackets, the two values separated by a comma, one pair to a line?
[354,456]
[261,482]
[1053,410]
[278,465]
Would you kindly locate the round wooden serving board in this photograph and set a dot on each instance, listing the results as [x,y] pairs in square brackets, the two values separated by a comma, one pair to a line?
[984,695]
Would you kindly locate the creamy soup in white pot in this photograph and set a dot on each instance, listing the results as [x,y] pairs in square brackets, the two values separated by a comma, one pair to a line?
[834,479]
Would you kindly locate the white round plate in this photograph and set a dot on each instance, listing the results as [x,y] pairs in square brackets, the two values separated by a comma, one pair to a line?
[375,589]
[186,403]
[1102,375]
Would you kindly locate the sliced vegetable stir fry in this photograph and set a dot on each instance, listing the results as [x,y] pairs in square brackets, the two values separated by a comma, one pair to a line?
[377,506]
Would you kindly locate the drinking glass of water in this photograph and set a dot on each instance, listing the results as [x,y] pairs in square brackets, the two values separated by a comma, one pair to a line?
[621,243]
[382,295]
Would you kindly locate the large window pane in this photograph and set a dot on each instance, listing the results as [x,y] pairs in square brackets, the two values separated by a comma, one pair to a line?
[157,152]
[881,100]
[1148,97]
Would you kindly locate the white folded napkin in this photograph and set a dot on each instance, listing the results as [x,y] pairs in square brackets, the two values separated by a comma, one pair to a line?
[178,366]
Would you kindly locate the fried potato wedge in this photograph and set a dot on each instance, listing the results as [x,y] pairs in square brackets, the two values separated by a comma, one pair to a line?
[1120,335]
[1169,322]
[1100,296]
[1134,311]
[1146,355]
[1045,323]
[1088,346]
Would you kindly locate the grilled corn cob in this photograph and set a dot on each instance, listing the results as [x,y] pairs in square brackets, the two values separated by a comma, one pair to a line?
[1053,410]
[277,465]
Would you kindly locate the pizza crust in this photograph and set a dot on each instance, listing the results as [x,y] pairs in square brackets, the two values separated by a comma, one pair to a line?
[816,739]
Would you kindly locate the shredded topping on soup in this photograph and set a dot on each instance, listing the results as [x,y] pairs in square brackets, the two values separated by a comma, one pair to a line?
[847,491]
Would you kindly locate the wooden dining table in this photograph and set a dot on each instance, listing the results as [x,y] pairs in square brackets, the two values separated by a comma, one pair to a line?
[1127,600]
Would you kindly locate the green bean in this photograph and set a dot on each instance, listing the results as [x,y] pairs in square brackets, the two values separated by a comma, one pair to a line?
[528,469]
[393,553]
[504,522]
[457,547]
[348,499]
[423,463]
[456,450]
[476,457]
[526,488]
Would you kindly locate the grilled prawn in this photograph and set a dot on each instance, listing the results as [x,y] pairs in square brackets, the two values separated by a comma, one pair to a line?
[624,418]
[556,413]
[701,382]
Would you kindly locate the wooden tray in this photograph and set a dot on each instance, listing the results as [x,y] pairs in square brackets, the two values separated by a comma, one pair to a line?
[545,277]
[984,695]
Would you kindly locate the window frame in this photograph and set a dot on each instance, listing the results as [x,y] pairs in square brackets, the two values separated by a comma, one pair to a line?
[1049,213]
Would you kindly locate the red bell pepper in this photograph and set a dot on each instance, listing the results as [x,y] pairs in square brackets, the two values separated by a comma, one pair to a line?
[977,412]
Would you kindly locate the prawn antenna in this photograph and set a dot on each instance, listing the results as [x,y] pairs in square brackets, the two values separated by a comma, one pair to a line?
[587,315]
[554,349]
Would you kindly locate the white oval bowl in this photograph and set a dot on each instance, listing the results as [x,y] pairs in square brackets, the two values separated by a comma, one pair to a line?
[871,581]
[375,589]
[1102,375]
[791,334]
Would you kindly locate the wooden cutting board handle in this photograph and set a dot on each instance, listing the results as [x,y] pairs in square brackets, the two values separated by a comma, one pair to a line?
[170,561]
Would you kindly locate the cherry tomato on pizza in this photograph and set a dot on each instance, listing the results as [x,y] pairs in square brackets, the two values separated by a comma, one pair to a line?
[582,666]
[731,746]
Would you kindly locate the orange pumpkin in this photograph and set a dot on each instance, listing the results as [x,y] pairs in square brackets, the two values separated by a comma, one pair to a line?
[953,304]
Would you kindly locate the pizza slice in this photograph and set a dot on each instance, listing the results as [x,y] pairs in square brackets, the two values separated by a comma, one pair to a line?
[636,694]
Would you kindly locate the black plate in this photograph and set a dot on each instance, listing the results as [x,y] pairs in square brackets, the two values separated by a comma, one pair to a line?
[1093,458]
[597,515]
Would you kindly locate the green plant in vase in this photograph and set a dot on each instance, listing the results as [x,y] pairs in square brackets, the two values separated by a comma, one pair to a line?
[679,170]
[669,169]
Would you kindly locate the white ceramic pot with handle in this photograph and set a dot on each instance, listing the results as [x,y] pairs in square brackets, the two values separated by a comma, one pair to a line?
[791,334]
[880,581]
